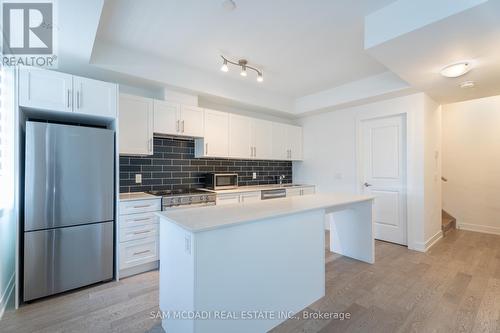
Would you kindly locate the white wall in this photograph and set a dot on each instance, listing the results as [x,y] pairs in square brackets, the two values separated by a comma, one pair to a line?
[471,163]
[7,201]
[432,167]
[330,155]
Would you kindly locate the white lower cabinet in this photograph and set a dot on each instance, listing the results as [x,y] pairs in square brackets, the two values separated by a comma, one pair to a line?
[235,198]
[138,236]
[138,252]
[298,191]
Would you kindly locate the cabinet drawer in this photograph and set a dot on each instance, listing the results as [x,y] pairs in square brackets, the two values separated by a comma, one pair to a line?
[293,192]
[308,190]
[138,252]
[133,220]
[140,206]
[138,232]
[250,196]
[227,199]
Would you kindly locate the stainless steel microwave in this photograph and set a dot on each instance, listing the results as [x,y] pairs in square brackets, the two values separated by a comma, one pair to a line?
[222,181]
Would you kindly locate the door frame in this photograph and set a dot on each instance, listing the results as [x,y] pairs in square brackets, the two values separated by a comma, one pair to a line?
[411,153]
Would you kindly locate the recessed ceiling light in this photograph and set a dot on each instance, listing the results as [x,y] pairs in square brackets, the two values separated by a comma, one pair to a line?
[229,5]
[456,70]
[467,84]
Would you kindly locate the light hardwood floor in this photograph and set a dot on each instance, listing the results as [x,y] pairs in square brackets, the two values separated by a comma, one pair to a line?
[455,287]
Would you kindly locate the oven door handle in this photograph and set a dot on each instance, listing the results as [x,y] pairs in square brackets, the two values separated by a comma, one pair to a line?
[205,204]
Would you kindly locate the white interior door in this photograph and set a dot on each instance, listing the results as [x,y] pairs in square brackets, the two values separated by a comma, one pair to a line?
[383,149]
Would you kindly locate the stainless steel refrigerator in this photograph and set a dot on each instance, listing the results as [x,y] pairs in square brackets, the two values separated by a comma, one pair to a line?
[68,208]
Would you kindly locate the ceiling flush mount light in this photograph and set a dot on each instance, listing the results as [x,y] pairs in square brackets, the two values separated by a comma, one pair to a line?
[456,70]
[243,64]
[467,84]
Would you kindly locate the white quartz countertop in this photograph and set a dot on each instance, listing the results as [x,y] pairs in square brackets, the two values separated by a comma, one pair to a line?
[215,217]
[137,196]
[252,188]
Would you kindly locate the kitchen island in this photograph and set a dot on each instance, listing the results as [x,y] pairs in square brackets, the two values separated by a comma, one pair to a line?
[248,267]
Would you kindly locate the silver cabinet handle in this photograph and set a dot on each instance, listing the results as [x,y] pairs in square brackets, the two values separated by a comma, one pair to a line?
[182,126]
[206,148]
[143,219]
[177,126]
[141,252]
[150,144]
[77,99]
[367,184]
[254,151]
[251,151]
[142,232]
[68,98]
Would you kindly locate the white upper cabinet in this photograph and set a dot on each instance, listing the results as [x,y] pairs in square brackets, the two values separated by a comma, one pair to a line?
[191,121]
[262,136]
[166,117]
[240,136]
[54,91]
[46,90]
[94,97]
[294,137]
[286,142]
[136,125]
[279,141]
[176,119]
[215,142]
[249,137]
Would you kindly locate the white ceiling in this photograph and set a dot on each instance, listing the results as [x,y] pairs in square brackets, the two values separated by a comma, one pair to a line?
[303,46]
[472,34]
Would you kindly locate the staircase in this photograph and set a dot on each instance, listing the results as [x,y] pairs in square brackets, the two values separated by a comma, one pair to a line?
[449,223]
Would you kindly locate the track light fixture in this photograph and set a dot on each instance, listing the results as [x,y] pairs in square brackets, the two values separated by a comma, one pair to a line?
[243,64]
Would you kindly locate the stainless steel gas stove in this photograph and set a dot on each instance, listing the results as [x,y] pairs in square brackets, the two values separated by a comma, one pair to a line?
[185,198]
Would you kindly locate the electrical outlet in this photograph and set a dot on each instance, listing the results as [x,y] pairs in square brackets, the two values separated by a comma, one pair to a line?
[254,175]
[138,178]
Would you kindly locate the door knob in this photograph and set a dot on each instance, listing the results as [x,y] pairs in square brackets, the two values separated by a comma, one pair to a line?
[367,185]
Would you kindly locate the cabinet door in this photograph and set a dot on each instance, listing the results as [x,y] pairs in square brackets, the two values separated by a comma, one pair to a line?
[262,139]
[294,135]
[136,125]
[308,190]
[227,199]
[279,141]
[239,137]
[250,197]
[166,117]
[94,97]
[46,90]
[191,121]
[216,134]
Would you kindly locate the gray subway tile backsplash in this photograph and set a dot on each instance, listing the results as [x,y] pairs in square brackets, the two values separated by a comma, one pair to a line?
[173,166]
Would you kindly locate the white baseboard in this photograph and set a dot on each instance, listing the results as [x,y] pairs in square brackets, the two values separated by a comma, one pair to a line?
[479,228]
[424,247]
[5,298]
